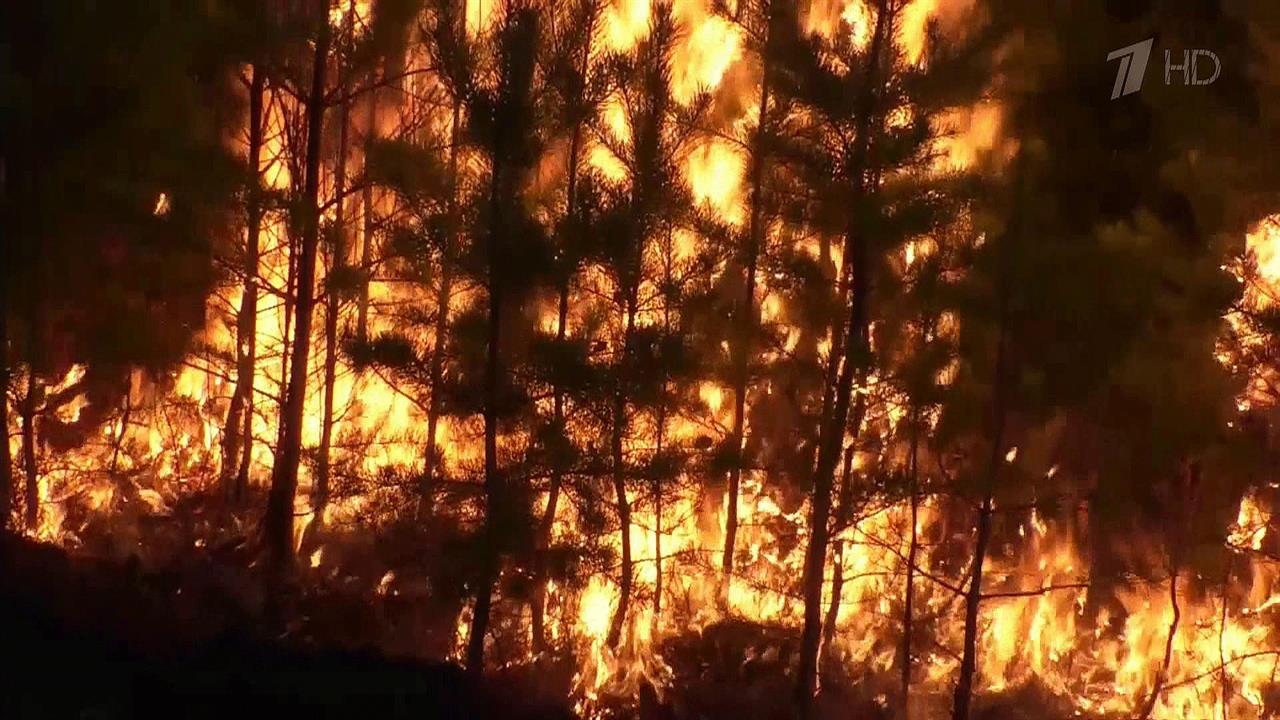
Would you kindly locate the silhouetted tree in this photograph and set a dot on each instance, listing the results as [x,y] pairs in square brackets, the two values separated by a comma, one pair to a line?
[278,520]
[652,202]
[829,90]
[502,100]
[577,85]
[767,26]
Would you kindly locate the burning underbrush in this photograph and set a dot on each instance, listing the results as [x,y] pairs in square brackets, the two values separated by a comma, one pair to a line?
[1058,639]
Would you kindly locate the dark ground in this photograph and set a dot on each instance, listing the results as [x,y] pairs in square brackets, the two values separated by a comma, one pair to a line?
[87,638]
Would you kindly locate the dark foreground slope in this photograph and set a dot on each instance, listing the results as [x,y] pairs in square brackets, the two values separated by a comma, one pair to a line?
[94,639]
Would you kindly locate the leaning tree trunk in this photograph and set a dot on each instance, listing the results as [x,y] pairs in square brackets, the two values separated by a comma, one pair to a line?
[278,522]
[237,435]
[745,330]
[857,360]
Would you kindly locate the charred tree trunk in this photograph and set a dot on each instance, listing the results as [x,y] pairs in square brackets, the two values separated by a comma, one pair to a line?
[745,330]
[843,513]
[539,602]
[908,604]
[237,435]
[494,483]
[973,595]
[538,605]
[29,464]
[333,306]
[857,349]
[431,460]
[494,505]
[657,472]
[1224,678]
[1162,675]
[6,460]
[288,303]
[1184,499]
[366,202]
[118,444]
[620,481]
[973,601]
[657,530]
[856,362]
[1003,385]
[278,522]
[844,516]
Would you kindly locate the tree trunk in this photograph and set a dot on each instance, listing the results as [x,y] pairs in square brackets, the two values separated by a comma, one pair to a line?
[278,522]
[1162,675]
[973,599]
[1184,500]
[843,512]
[844,516]
[1002,385]
[538,605]
[908,610]
[366,201]
[237,435]
[1224,680]
[333,306]
[29,465]
[6,459]
[657,476]
[657,534]
[288,305]
[856,346]
[857,358]
[746,327]
[118,444]
[973,596]
[620,486]
[431,460]
[494,483]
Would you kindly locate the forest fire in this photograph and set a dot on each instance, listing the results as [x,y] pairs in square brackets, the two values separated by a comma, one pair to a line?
[768,358]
